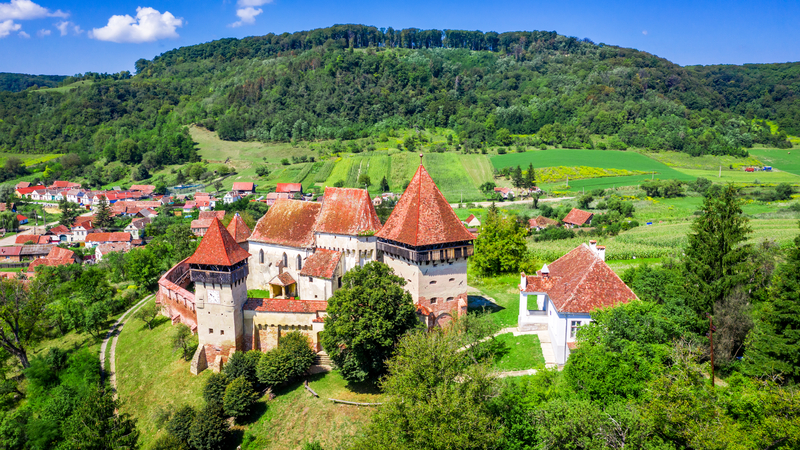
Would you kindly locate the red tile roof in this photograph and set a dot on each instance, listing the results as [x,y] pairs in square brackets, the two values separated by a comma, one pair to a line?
[29,189]
[143,187]
[423,216]
[321,264]
[60,253]
[218,248]
[283,279]
[211,214]
[238,229]
[243,186]
[64,184]
[289,223]
[60,229]
[109,247]
[289,187]
[285,305]
[578,217]
[48,262]
[23,184]
[36,239]
[580,282]
[347,211]
[200,224]
[10,251]
[108,237]
[542,222]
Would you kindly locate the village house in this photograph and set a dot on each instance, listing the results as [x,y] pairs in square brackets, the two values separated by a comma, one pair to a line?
[231,197]
[136,227]
[103,249]
[10,254]
[26,192]
[60,233]
[95,239]
[75,196]
[472,221]
[64,185]
[541,222]
[29,252]
[289,188]
[22,219]
[200,225]
[244,188]
[22,239]
[146,190]
[272,197]
[23,184]
[505,192]
[82,228]
[561,297]
[57,256]
[577,218]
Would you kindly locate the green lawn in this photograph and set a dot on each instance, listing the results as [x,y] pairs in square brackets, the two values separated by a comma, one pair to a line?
[787,160]
[519,352]
[740,176]
[704,162]
[620,266]
[151,378]
[503,290]
[27,158]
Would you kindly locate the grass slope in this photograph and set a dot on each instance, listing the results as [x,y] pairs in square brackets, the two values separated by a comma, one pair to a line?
[519,352]
[787,160]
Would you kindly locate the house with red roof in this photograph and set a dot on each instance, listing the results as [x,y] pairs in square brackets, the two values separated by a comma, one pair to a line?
[272,197]
[137,226]
[145,189]
[561,297]
[578,218]
[28,190]
[244,188]
[505,192]
[289,188]
[541,222]
[110,247]
[472,221]
[61,185]
[95,239]
[57,256]
[10,254]
[22,239]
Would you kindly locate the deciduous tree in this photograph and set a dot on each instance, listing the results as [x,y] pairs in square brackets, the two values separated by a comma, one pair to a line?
[22,316]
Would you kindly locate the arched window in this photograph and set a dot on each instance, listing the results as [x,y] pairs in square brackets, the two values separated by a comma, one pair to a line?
[285,261]
[261,256]
[299,262]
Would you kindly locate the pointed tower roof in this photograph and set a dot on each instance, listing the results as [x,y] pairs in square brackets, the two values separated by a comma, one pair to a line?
[423,216]
[238,229]
[347,211]
[218,248]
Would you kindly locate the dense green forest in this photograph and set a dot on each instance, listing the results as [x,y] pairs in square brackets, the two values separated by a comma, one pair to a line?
[16,82]
[351,81]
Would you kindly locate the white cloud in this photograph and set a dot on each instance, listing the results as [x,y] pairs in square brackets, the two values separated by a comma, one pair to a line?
[7,27]
[63,27]
[252,3]
[43,33]
[25,35]
[26,10]
[644,32]
[246,16]
[148,26]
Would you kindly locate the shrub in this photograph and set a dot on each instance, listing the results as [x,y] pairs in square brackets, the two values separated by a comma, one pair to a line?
[243,364]
[209,430]
[239,398]
[180,424]
[554,233]
[169,442]
[292,358]
[214,390]
[783,191]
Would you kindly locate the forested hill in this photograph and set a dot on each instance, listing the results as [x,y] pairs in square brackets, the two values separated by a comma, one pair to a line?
[351,81]
[16,82]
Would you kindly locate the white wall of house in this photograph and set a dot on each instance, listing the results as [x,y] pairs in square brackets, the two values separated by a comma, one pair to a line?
[356,250]
[561,330]
[262,273]
[313,288]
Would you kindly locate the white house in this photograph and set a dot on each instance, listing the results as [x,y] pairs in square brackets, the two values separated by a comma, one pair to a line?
[565,294]
[472,221]
[231,197]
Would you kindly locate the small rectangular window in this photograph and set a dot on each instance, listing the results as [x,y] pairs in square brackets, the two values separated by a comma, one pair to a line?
[221,331]
[210,331]
[573,328]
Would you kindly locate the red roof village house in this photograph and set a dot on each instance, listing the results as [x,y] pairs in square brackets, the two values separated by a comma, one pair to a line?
[35,239]
[110,247]
[566,292]
[27,191]
[244,188]
[10,254]
[63,185]
[504,192]
[289,188]
[272,197]
[145,189]
[577,218]
[95,239]
[56,257]
[541,222]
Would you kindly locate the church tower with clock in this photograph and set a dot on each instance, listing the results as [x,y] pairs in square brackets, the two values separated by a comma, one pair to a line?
[219,271]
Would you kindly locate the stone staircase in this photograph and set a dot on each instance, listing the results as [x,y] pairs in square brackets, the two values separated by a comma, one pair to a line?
[322,359]
[533,327]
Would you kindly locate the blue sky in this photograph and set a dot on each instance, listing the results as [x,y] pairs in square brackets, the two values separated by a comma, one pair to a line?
[69,36]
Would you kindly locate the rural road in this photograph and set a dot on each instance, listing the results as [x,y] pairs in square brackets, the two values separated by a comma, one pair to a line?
[114,332]
[515,202]
[11,240]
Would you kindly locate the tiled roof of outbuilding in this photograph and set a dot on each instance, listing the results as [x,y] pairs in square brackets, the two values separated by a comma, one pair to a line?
[60,253]
[578,217]
[285,305]
[211,214]
[321,264]
[289,187]
[218,248]
[108,237]
[282,279]
[238,229]
[36,239]
[347,211]
[423,216]
[289,223]
[580,282]
[542,222]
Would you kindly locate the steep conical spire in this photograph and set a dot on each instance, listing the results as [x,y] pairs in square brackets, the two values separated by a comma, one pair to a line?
[423,216]
[238,229]
[218,248]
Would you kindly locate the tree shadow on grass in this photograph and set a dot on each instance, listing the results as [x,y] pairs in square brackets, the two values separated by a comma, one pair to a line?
[259,408]
[157,322]
[366,387]
[482,304]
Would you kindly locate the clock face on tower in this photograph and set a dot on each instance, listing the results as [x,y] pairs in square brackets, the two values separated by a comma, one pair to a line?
[213,296]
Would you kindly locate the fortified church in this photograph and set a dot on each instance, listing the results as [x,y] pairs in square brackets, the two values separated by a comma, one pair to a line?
[297,255]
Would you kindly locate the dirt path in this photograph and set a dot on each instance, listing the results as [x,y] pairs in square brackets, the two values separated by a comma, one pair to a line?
[114,332]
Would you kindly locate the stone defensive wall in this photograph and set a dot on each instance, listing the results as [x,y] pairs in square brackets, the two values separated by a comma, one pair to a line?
[176,301]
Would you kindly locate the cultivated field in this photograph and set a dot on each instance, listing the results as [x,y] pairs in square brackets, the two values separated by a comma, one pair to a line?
[787,160]
[27,158]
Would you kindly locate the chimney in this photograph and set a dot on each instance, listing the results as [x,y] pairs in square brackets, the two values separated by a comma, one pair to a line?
[593,246]
[545,271]
[601,252]
[523,281]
